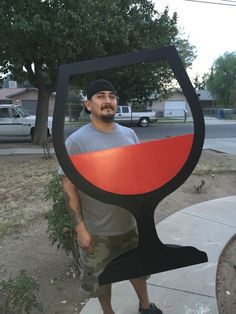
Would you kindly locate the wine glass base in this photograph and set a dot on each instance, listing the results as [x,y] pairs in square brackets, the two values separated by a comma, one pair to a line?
[141,262]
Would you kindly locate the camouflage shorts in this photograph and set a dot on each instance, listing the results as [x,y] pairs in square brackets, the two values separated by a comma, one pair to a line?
[105,250]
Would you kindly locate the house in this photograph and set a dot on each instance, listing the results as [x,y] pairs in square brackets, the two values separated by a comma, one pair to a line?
[176,105]
[27,97]
[205,98]
[173,106]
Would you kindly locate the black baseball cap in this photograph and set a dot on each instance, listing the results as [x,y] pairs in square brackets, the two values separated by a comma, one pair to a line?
[97,86]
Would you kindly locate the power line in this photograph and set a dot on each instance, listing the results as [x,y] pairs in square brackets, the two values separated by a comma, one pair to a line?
[211,2]
[228,1]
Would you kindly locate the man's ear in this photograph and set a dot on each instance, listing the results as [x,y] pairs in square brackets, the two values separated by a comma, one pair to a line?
[87,106]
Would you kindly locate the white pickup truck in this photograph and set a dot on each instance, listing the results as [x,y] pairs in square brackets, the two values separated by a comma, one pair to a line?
[125,115]
[15,121]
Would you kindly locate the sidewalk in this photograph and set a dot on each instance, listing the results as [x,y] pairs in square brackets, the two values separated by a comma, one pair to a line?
[215,121]
[224,145]
[23,151]
[208,226]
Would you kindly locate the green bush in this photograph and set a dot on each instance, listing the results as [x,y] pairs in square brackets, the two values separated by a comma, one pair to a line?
[17,297]
[60,226]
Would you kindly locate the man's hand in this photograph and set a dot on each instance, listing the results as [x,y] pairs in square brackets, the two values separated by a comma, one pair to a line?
[84,238]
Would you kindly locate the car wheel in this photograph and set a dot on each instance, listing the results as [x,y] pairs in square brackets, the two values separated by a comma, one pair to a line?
[144,122]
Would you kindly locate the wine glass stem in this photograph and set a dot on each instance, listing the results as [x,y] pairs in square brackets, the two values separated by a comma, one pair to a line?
[146,228]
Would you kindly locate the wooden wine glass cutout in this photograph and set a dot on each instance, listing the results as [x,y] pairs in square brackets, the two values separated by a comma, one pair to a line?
[135,177]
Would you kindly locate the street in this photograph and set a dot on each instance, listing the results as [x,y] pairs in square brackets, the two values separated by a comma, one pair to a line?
[156,131]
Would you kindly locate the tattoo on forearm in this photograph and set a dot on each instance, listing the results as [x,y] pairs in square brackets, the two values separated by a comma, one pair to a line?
[75,213]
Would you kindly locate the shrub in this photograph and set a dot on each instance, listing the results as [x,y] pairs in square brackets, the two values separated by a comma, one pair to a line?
[60,226]
[17,297]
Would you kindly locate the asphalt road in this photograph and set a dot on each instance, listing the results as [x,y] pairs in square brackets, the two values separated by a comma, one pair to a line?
[156,131]
[161,131]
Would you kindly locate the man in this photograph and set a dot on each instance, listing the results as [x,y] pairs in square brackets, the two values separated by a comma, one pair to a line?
[103,231]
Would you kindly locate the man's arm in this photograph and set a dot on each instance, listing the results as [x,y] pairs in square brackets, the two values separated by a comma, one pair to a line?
[73,204]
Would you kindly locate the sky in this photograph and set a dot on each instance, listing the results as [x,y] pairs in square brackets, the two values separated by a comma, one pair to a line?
[209,27]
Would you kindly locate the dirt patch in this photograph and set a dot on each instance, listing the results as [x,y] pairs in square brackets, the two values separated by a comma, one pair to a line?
[23,224]
[225,288]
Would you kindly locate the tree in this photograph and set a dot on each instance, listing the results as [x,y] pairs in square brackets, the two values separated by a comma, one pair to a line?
[75,103]
[200,83]
[38,36]
[222,80]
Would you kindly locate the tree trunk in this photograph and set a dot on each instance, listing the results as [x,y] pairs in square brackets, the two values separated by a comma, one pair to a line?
[40,132]
[123,101]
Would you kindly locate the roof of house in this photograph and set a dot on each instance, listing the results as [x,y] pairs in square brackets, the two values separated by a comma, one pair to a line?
[204,94]
[6,93]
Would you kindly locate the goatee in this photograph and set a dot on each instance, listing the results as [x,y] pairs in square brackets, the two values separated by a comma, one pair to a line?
[108,118]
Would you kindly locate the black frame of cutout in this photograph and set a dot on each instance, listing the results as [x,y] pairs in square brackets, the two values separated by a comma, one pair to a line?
[168,54]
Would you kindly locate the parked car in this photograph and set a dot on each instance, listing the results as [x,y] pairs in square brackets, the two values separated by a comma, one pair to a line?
[125,115]
[15,121]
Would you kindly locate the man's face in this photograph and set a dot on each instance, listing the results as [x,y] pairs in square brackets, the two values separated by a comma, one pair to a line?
[103,106]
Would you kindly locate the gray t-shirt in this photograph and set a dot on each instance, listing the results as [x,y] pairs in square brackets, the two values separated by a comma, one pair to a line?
[101,218]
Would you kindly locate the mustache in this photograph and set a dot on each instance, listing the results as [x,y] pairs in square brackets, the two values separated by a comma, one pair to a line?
[107,106]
